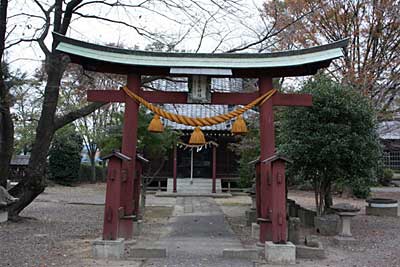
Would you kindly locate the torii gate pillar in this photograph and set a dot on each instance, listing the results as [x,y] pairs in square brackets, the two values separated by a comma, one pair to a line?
[267,149]
[129,140]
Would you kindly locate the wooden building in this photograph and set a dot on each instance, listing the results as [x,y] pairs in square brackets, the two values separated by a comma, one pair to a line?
[389,135]
[226,159]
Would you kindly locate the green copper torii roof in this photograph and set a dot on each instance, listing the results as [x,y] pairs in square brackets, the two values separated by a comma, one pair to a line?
[288,63]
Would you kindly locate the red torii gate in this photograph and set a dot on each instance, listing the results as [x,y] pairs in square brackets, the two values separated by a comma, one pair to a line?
[271,186]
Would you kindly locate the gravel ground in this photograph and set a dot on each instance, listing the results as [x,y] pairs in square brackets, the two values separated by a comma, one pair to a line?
[378,238]
[59,226]
[51,236]
[63,221]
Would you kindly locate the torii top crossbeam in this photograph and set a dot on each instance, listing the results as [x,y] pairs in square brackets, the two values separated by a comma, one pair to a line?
[278,64]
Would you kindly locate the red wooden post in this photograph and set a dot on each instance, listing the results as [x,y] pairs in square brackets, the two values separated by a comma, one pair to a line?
[114,188]
[136,187]
[111,218]
[129,139]
[214,168]
[267,147]
[258,196]
[278,201]
[175,162]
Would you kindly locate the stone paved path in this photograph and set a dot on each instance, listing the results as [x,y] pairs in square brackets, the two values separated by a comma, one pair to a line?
[198,234]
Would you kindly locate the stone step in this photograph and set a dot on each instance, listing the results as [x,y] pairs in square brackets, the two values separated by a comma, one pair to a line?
[199,186]
[193,194]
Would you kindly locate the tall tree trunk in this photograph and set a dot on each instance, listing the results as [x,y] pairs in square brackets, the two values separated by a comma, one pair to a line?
[92,158]
[6,133]
[316,195]
[35,181]
[6,122]
[327,196]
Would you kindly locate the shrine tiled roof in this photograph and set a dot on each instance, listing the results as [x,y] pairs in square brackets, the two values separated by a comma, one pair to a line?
[389,130]
[217,85]
[201,111]
[198,111]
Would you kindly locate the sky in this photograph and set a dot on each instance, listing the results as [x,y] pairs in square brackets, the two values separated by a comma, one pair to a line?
[235,26]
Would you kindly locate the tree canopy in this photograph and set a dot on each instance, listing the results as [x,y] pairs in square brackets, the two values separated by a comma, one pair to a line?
[334,140]
[154,146]
[371,64]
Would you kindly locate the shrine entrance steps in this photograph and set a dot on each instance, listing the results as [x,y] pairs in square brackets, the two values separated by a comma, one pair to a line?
[198,234]
[201,187]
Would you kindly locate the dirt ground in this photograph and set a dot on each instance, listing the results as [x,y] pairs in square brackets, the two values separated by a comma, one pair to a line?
[60,225]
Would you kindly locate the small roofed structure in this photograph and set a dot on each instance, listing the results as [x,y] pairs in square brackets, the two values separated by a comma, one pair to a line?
[272,159]
[116,153]
[18,166]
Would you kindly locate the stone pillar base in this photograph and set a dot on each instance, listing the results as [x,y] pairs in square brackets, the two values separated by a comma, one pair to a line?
[280,253]
[251,216]
[137,227]
[108,249]
[255,230]
[3,216]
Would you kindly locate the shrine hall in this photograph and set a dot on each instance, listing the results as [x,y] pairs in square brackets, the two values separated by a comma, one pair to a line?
[125,167]
[197,162]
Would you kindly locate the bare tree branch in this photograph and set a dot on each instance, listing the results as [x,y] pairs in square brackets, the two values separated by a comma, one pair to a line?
[139,30]
[76,114]
[269,34]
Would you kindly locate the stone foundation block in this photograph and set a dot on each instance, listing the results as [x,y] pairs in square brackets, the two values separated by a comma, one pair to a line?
[251,217]
[280,253]
[255,230]
[292,208]
[327,225]
[294,230]
[148,253]
[306,216]
[240,253]
[137,227]
[108,249]
[3,216]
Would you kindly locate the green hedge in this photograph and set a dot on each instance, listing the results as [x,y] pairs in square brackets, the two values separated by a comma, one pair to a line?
[85,173]
[64,156]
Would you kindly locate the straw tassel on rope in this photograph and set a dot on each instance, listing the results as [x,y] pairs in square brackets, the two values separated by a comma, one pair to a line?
[239,126]
[156,125]
[197,137]
[200,122]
